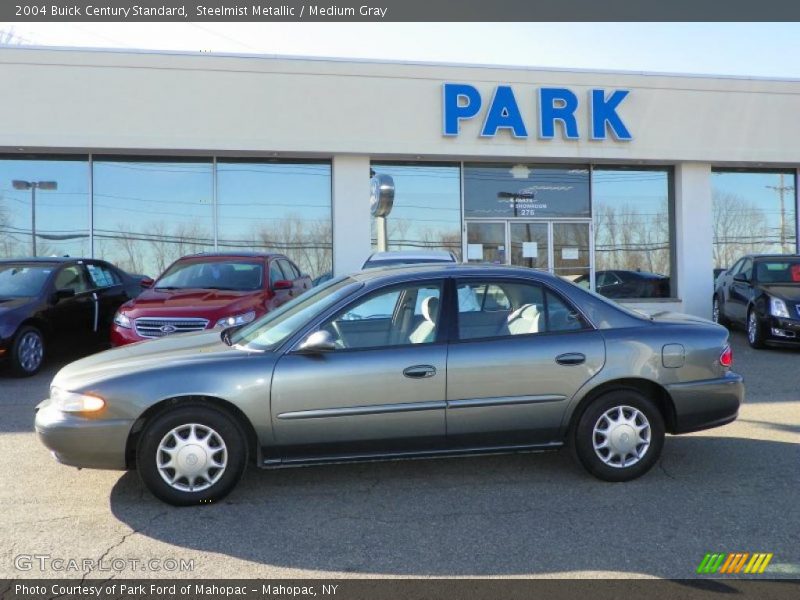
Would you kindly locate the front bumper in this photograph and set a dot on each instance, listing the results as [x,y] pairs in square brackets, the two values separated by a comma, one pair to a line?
[706,404]
[92,443]
[120,336]
[782,331]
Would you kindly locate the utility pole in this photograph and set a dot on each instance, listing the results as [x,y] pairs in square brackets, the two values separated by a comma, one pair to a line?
[782,189]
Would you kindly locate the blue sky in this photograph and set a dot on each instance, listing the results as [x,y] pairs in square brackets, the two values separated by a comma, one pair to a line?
[757,49]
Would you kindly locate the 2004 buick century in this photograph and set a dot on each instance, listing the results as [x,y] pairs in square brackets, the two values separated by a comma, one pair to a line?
[394,363]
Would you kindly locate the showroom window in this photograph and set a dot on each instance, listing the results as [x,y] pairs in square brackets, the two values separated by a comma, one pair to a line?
[754,212]
[44,206]
[426,214]
[633,237]
[150,212]
[280,207]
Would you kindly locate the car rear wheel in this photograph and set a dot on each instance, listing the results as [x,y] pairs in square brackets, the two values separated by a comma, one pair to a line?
[755,331]
[716,312]
[27,351]
[192,455]
[620,435]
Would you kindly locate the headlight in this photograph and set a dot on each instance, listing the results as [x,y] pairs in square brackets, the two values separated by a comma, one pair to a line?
[72,402]
[777,308]
[122,320]
[235,320]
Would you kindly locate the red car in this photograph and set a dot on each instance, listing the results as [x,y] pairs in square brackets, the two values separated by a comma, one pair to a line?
[204,291]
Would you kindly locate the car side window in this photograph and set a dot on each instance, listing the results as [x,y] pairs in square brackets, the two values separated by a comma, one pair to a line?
[275,273]
[71,278]
[489,310]
[401,315]
[288,270]
[562,317]
[102,276]
[747,269]
[737,266]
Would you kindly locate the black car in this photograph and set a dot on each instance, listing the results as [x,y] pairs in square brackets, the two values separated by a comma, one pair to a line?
[621,283]
[48,302]
[762,293]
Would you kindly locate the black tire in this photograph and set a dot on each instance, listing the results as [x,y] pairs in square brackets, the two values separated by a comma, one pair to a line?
[225,427]
[717,315]
[584,435]
[23,364]
[756,337]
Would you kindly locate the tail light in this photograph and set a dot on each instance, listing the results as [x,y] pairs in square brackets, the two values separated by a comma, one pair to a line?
[726,358]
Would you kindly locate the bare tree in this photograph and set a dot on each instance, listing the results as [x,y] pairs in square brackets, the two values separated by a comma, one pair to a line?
[740,227]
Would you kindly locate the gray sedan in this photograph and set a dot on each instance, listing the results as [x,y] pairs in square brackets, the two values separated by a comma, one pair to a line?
[395,363]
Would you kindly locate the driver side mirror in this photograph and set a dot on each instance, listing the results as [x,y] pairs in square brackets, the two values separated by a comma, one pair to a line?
[316,343]
[741,278]
[63,294]
[282,284]
[146,282]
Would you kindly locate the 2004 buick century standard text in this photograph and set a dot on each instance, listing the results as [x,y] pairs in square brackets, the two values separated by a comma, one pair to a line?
[392,363]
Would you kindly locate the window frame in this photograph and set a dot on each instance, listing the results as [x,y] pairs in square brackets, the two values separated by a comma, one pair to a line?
[546,289]
[442,328]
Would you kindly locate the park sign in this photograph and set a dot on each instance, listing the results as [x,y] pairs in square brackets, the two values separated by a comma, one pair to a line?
[462,102]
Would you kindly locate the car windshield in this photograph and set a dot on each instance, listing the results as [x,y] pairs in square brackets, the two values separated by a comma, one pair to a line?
[21,281]
[235,275]
[782,271]
[276,326]
[390,262]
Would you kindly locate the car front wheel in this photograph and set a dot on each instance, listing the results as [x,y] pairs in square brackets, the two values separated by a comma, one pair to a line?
[192,455]
[27,352]
[620,435]
[755,331]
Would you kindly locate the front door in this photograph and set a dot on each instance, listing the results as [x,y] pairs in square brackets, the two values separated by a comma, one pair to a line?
[381,390]
[561,247]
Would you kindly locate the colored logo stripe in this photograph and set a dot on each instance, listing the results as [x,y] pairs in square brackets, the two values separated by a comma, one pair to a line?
[733,562]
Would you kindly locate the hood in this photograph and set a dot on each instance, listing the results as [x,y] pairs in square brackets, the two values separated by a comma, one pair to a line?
[191,302]
[790,293]
[198,348]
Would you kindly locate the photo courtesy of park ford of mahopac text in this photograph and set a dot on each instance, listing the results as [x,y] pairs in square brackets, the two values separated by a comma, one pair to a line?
[393,300]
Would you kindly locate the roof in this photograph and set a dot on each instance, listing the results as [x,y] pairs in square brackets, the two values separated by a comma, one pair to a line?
[244,254]
[758,256]
[402,272]
[44,259]
[443,255]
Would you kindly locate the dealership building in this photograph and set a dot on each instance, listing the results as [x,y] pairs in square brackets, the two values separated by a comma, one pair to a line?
[617,179]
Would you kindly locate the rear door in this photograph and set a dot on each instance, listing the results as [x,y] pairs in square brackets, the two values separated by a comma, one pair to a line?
[522,351]
[108,291]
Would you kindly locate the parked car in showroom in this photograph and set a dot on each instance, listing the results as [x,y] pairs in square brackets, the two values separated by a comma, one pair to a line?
[208,291]
[51,302]
[761,292]
[532,364]
[621,283]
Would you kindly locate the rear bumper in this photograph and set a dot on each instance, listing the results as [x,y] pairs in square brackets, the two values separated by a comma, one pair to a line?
[706,404]
[82,442]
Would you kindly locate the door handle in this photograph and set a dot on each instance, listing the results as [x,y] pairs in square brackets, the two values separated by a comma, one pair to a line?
[419,371]
[571,358]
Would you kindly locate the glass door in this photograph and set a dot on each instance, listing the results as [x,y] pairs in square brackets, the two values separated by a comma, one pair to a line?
[486,242]
[571,249]
[529,245]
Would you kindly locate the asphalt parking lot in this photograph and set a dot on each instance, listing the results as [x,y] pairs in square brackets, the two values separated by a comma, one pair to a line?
[724,490]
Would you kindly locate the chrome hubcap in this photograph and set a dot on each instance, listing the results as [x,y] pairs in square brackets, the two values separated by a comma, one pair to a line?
[192,457]
[715,311]
[31,351]
[621,436]
[752,327]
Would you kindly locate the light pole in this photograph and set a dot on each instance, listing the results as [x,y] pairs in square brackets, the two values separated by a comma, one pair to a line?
[20,184]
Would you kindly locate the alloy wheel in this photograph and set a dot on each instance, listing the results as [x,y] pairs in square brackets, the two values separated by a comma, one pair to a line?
[715,311]
[191,457]
[752,327]
[621,436]
[30,351]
